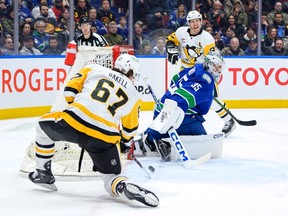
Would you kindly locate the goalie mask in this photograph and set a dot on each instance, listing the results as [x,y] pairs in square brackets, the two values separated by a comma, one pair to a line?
[214,63]
[126,62]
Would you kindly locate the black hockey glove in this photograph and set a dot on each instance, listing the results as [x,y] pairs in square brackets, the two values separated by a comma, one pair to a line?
[125,145]
[172,52]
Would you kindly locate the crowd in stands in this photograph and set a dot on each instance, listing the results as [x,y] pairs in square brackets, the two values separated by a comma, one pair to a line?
[44,24]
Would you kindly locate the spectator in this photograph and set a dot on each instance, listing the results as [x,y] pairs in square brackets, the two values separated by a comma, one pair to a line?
[264,27]
[139,13]
[81,9]
[112,37]
[145,48]
[64,18]
[250,35]
[277,50]
[233,49]
[138,36]
[279,24]
[41,39]
[93,28]
[101,29]
[51,22]
[3,8]
[25,30]
[238,29]
[251,12]
[226,38]
[251,50]
[53,48]
[105,15]
[205,6]
[227,6]
[8,48]
[122,29]
[172,6]
[216,16]
[241,17]
[8,22]
[277,9]
[33,3]
[25,14]
[36,11]
[57,9]
[28,47]
[160,48]
[218,41]
[270,39]
[177,17]
[156,13]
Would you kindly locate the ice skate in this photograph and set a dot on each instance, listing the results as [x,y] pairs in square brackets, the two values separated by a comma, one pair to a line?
[229,127]
[44,178]
[135,192]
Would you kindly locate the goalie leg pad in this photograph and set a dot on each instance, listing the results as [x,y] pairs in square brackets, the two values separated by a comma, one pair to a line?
[200,145]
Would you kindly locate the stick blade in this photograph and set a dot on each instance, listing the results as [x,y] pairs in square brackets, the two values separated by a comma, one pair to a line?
[197,162]
[247,123]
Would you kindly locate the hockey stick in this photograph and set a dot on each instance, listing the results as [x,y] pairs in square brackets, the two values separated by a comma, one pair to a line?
[188,162]
[243,123]
[131,156]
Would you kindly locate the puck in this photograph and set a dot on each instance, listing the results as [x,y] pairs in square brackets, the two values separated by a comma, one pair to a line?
[151,168]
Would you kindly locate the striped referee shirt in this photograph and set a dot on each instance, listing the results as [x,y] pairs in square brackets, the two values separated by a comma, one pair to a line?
[95,40]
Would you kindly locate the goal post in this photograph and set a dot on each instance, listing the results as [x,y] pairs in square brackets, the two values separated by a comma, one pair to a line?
[66,156]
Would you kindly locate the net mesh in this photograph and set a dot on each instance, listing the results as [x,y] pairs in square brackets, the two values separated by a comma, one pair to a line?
[66,157]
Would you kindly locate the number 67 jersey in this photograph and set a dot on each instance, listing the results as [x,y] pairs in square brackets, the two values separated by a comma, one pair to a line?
[101,99]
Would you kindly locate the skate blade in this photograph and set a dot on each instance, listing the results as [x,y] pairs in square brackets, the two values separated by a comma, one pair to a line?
[48,186]
[147,198]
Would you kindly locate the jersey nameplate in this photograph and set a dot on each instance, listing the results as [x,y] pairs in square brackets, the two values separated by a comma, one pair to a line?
[118,79]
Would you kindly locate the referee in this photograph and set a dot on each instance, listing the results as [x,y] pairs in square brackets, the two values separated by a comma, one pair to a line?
[89,38]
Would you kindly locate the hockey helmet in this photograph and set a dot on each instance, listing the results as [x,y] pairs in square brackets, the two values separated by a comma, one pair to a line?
[83,20]
[193,15]
[126,62]
[214,63]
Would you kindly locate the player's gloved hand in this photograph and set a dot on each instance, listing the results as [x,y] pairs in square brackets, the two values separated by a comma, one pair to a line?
[172,52]
[125,145]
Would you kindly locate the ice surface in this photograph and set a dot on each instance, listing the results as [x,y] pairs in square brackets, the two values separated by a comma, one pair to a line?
[250,179]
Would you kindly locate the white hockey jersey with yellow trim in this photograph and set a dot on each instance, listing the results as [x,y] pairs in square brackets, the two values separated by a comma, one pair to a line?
[101,101]
[192,48]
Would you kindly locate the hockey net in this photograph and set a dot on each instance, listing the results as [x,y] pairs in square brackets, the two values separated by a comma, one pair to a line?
[66,157]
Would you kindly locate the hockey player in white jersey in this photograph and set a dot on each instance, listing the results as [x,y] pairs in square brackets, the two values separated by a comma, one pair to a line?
[194,43]
[101,102]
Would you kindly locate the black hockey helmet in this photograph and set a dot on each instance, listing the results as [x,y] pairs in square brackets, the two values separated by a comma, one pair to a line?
[83,20]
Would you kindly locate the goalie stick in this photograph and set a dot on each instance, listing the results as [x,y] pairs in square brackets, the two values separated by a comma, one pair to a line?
[243,123]
[187,161]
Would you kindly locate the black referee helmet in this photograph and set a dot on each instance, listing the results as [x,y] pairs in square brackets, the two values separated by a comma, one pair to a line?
[83,20]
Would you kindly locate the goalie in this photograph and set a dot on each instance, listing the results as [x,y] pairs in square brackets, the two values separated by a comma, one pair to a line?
[184,104]
[194,43]
[99,100]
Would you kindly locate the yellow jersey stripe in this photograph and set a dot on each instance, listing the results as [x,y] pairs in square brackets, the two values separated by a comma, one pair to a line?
[93,116]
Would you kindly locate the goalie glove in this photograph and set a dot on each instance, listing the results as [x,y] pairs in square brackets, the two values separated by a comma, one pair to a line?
[172,52]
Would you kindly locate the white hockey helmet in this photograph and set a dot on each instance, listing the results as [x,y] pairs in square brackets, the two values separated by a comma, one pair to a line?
[214,63]
[193,15]
[126,62]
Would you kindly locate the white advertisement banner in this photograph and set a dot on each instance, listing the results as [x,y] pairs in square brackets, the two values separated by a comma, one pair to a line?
[32,82]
